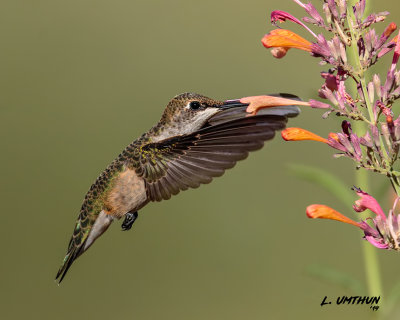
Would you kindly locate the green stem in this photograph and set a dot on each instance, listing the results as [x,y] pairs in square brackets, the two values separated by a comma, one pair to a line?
[356,60]
[395,185]
[371,262]
[372,270]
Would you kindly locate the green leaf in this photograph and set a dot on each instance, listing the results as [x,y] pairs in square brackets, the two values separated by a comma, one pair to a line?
[324,179]
[336,277]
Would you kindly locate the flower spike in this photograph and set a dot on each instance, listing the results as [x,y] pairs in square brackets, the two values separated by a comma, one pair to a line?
[351,45]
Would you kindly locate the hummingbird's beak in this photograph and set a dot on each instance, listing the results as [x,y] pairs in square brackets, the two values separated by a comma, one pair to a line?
[229,110]
[229,104]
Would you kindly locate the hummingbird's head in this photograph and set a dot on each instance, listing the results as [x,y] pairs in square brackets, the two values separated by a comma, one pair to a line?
[188,112]
[190,109]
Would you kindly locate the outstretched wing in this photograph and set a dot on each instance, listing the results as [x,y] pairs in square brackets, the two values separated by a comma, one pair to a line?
[186,162]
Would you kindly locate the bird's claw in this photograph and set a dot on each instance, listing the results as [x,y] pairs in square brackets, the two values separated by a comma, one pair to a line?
[130,218]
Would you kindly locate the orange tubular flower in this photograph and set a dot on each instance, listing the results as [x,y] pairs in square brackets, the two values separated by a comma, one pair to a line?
[256,103]
[281,40]
[299,134]
[319,211]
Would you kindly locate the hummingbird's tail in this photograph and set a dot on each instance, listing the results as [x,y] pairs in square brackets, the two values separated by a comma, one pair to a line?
[87,229]
[68,260]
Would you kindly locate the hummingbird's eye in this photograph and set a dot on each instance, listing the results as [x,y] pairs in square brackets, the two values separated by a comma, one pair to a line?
[194,105]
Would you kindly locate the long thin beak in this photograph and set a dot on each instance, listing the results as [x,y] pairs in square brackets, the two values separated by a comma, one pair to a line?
[228,104]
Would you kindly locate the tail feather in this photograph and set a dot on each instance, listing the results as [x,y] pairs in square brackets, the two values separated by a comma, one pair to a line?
[68,260]
[86,231]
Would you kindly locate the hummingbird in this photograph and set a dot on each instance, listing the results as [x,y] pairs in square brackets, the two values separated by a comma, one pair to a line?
[196,139]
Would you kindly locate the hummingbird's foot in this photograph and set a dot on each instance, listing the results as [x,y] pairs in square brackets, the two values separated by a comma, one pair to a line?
[130,218]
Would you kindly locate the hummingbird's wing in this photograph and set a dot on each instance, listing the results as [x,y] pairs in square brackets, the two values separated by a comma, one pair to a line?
[180,163]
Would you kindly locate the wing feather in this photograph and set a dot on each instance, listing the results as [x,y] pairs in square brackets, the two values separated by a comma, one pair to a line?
[179,163]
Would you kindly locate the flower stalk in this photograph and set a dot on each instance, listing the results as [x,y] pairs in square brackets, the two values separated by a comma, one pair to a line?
[371,263]
[374,144]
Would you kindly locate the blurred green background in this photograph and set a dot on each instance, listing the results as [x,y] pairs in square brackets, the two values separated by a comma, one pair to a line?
[80,80]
